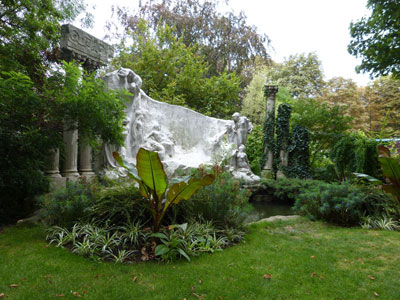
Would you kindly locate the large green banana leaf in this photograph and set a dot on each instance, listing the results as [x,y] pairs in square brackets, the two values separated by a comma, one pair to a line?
[185,189]
[151,171]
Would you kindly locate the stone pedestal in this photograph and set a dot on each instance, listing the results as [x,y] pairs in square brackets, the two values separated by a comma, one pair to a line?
[85,160]
[70,166]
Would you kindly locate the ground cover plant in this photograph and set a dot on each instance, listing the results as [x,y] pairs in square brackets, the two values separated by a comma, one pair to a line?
[296,259]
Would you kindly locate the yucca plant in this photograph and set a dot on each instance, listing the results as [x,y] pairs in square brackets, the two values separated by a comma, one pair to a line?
[153,184]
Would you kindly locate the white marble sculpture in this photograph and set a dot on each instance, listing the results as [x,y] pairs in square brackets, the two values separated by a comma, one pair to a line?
[182,137]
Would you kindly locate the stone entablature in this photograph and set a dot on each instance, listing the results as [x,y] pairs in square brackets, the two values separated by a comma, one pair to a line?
[81,46]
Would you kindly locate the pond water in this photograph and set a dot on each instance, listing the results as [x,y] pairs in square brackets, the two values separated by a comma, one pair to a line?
[268,209]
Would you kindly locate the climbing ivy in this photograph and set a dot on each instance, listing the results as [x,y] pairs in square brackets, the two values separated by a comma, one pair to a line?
[282,135]
[299,153]
[268,139]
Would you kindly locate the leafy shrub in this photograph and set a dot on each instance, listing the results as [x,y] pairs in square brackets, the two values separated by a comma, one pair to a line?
[254,148]
[286,189]
[224,202]
[379,204]
[355,153]
[66,206]
[333,203]
[118,204]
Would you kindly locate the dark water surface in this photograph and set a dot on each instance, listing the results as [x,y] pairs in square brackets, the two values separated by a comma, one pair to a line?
[268,209]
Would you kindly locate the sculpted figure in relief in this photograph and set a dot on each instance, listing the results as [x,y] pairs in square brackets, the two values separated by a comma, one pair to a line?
[241,129]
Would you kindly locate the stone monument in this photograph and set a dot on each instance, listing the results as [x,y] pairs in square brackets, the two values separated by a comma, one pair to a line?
[183,138]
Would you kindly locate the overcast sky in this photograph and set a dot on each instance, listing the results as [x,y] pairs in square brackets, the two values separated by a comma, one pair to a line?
[294,26]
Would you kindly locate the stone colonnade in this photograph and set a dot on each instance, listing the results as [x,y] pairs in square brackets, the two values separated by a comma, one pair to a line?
[70,169]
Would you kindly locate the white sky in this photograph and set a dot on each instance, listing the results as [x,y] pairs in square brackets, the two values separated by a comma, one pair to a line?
[294,26]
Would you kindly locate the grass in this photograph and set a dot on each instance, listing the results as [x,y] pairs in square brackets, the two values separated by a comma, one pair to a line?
[295,259]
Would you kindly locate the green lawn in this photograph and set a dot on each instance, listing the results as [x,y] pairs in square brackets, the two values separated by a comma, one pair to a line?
[295,259]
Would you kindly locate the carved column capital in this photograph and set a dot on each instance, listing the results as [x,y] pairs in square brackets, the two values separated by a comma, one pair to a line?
[270,90]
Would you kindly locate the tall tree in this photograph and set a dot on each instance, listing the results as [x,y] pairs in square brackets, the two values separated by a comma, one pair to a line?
[383,106]
[227,40]
[302,74]
[325,123]
[376,39]
[345,92]
[172,72]
[30,33]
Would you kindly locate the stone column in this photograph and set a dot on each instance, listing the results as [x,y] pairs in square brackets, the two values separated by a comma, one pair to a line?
[70,138]
[52,169]
[85,160]
[269,131]
[51,163]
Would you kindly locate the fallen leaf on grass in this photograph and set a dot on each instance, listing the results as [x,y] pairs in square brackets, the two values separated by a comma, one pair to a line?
[376,294]
[60,295]
[14,285]
[76,294]
[1,295]
[134,279]
[313,274]
[200,281]
[371,277]
[267,276]
[312,256]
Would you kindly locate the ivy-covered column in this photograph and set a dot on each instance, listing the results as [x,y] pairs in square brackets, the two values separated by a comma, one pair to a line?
[282,139]
[267,160]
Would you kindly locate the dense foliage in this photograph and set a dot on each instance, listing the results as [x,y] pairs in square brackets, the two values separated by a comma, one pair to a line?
[226,40]
[299,154]
[285,190]
[344,204]
[301,74]
[355,153]
[376,38]
[30,33]
[254,148]
[346,94]
[32,123]
[324,123]
[172,72]
[224,202]
[282,137]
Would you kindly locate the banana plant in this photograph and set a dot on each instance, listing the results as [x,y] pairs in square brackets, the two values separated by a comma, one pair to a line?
[391,171]
[153,183]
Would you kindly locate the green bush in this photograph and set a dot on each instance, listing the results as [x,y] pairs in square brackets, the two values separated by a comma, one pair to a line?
[224,202]
[66,206]
[379,204]
[286,190]
[345,204]
[119,204]
[333,203]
